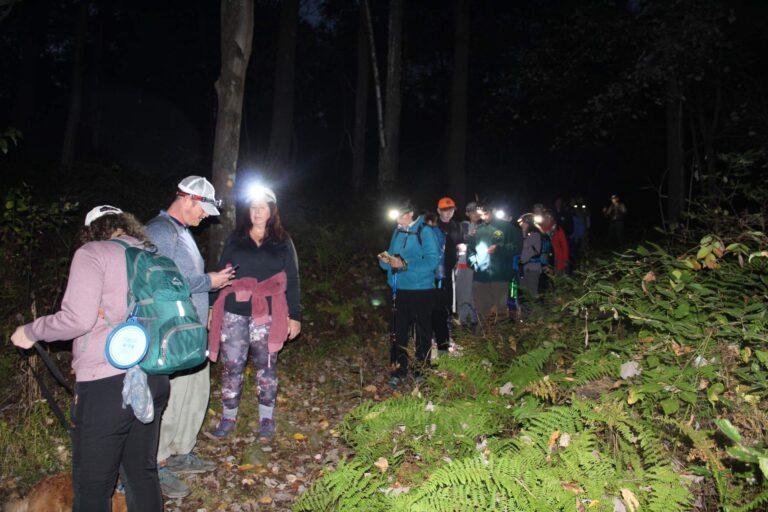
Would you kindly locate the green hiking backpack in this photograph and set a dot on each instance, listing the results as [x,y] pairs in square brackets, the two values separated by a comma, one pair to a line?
[159,298]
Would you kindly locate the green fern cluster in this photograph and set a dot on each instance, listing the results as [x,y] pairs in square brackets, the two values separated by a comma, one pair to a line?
[417,428]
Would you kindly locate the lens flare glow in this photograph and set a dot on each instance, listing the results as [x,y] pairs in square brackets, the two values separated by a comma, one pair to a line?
[393,213]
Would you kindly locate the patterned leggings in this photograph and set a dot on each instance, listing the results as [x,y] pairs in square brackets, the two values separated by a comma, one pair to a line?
[238,335]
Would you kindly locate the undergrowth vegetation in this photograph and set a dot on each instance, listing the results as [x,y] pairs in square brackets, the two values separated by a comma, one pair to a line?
[640,385]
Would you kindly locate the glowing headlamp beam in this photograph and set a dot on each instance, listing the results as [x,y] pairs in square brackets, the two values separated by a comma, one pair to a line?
[258,192]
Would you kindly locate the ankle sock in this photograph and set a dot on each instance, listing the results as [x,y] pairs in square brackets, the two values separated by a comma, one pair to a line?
[230,414]
[265,412]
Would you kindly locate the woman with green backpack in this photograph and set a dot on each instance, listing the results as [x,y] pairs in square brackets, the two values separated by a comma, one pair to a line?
[105,436]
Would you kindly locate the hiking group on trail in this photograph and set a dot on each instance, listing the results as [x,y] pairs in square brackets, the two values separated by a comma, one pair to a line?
[443,273]
[146,318]
[257,308]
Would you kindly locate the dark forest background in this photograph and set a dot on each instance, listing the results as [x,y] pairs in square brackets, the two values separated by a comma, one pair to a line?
[563,98]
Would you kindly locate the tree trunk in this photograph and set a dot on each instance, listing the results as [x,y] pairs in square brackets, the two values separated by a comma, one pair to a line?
[675,159]
[236,41]
[389,155]
[376,80]
[95,104]
[76,90]
[361,101]
[280,136]
[23,110]
[456,152]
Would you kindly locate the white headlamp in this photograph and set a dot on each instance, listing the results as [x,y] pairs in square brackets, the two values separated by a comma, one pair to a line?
[261,193]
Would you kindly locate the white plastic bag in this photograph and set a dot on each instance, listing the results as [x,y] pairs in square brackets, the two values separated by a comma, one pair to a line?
[137,394]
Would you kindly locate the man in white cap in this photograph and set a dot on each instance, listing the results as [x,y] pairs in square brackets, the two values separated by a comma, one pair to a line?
[169,231]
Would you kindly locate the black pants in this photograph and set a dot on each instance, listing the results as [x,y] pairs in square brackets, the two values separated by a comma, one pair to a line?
[413,307]
[106,437]
[441,312]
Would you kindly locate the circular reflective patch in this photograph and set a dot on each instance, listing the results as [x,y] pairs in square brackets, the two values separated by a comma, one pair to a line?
[127,345]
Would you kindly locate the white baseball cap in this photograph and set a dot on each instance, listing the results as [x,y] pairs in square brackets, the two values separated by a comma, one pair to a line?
[200,189]
[101,211]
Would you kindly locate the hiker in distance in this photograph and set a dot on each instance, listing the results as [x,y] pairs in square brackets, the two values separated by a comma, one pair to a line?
[195,200]
[411,262]
[105,436]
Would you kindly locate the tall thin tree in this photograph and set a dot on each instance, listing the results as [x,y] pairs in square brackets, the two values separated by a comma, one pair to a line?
[236,42]
[281,134]
[455,154]
[676,189]
[76,88]
[361,100]
[389,154]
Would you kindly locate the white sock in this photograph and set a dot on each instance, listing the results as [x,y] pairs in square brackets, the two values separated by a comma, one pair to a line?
[265,412]
[230,414]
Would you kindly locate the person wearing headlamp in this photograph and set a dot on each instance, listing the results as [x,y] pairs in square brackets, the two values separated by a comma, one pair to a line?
[491,252]
[259,312]
[411,262]
[195,200]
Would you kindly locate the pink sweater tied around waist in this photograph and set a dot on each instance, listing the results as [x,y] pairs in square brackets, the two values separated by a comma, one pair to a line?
[250,288]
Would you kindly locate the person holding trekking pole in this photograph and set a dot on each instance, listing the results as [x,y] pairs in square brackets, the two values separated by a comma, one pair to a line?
[106,436]
[411,262]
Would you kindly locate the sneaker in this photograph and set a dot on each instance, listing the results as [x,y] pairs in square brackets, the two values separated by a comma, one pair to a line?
[189,463]
[266,430]
[226,425]
[171,486]
[394,381]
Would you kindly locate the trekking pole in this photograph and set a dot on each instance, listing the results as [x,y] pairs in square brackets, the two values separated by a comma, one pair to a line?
[392,330]
[41,383]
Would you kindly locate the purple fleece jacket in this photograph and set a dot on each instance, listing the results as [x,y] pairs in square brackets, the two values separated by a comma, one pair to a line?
[94,303]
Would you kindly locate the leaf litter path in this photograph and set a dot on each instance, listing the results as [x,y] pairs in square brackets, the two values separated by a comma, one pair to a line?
[319,382]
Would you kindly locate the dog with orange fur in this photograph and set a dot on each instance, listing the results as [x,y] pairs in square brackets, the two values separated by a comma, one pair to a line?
[54,494]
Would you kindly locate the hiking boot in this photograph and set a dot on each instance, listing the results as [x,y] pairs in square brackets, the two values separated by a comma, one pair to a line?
[266,430]
[189,463]
[226,425]
[171,486]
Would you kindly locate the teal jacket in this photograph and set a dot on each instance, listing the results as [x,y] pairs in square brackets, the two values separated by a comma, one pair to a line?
[497,266]
[422,257]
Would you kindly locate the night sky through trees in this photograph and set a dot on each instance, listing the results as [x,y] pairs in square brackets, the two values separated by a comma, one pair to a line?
[564,98]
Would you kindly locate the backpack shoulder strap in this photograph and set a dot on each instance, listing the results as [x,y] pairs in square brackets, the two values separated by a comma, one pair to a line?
[125,244]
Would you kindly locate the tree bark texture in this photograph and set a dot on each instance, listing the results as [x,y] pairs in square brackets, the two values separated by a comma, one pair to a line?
[236,42]
[361,101]
[675,158]
[281,134]
[389,155]
[76,89]
[456,152]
